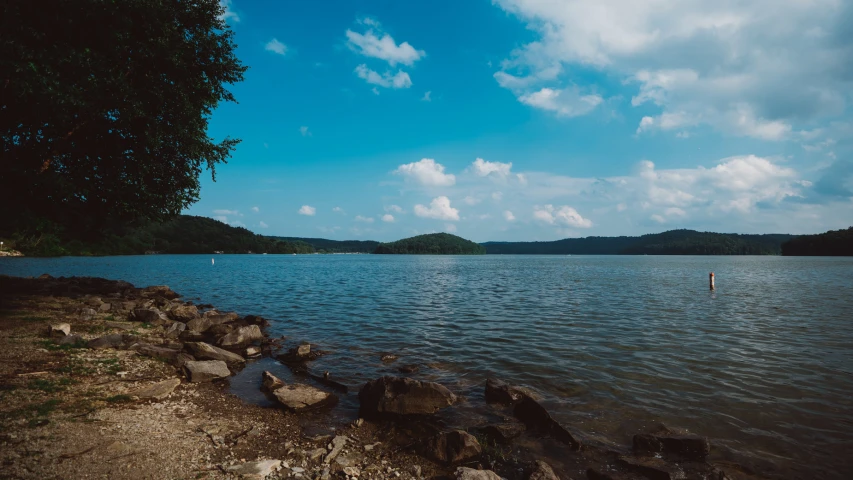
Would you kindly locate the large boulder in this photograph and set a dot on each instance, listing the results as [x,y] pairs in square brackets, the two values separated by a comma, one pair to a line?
[60,329]
[205,351]
[221,317]
[207,370]
[299,397]
[504,432]
[184,313]
[403,396]
[498,391]
[115,340]
[465,473]
[453,447]
[149,315]
[687,446]
[536,417]
[159,291]
[241,337]
[542,471]
[651,467]
[270,382]
[157,351]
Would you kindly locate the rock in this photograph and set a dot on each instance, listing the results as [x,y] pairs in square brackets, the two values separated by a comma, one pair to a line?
[416,471]
[71,340]
[157,351]
[182,359]
[205,322]
[253,351]
[690,447]
[205,371]
[409,369]
[337,445]
[316,453]
[120,325]
[205,351]
[388,357]
[542,471]
[303,350]
[498,391]
[148,315]
[504,432]
[159,291]
[270,382]
[453,447]
[352,471]
[184,313]
[105,307]
[255,470]
[221,317]
[176,329]
[650,467]
[60,329]
[298,396]
[159,390]
[88,313]
[534,415]
[221,330]
[115,340]
[403,396]
[593,474]
[241,337]
[464,473]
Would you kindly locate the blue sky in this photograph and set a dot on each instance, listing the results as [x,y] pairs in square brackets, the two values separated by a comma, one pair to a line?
[535,119]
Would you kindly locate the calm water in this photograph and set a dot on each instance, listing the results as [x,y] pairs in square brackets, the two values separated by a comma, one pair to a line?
[763,366]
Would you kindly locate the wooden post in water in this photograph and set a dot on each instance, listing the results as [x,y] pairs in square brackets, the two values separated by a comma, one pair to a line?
[711,279]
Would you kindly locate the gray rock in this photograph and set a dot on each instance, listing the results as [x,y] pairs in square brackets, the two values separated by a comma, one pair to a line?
[498,391]
[205,351]
[258,470]
[148,315]
[253,351]
[542,471]
[534,415]
[338,444]
[205,371]
[157,351]
[105,307]
[403,396]
[316,453]
[159,291]
[115,340]
[184,313]
[175,330]
[504,432]
[464,473]
[182,359]
[60,329]
[159,390]
[303,350]
[270,382]
[88,313]
[71,340]
[453,447]
[120,325]
[299,396]
[241,337]
[352,471]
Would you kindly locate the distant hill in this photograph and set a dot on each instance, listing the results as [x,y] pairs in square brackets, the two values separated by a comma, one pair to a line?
[673,242]
[323,245]
[431,244]
[832,243]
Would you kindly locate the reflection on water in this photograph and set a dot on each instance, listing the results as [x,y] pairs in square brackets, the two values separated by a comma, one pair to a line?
[763,365]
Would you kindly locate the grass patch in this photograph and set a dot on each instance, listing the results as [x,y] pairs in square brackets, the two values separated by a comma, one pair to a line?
[119,399]
[146,325]
[36,410]
[110,318]
[112,365]
[76,367]
[50,386]
[96,329]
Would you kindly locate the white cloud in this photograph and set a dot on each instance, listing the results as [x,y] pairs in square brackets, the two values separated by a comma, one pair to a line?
[764,67]
[256,209]
[450,228]
[238,223]
[307,210]
[263,225]
[470,200]
[228,212]
[275,46]
[568,102]
[522,179]
[426,97]
[339,210]
[497,196]
[388,218]
[483,168]
[387,80]
[509,216]
[394,208]
[439,209]
[564,215]
[427,172]
[359,218]
[303,130]
[383,47]
[227,13]
[375,91]
[221,218]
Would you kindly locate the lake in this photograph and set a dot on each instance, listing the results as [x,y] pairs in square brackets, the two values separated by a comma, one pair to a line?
[763,365]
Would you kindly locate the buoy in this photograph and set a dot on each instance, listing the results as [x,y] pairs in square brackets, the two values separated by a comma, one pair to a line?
[711,279]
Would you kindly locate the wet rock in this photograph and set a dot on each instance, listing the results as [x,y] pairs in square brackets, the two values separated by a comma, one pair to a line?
[453,447]
[253,320]
[534,415]
[298,356]
[464,473]
[241,337]
[253,352]
[159,291]
[60,329]
[542,471]
[184,313]
[299,396]
[205,371]
[593,474]
[270,382]
[504,432]
[650,467]
[175,330]
[219,318]
[403,396]
[157,351]
[409,368]
[690,447]
[71,340]
[205,351]
[255,470]
[159,390]
[388,357]
[498,391]
[148,315]
[338,444]
[115,340]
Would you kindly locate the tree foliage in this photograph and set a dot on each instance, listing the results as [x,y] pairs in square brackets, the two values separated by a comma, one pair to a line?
[105,108]
[832,243]
[432,244]
[323,245]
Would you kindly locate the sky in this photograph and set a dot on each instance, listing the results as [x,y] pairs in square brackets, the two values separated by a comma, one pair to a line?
[536,119]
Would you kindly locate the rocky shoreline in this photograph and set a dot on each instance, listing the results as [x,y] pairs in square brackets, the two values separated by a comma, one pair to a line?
[104,380]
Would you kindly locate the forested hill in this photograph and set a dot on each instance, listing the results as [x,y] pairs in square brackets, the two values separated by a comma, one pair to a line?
[432,244]
[673,242]
[183,234]
[323,245]
[832,243]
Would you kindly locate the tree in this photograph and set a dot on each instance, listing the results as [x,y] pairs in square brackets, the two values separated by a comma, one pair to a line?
[105,107]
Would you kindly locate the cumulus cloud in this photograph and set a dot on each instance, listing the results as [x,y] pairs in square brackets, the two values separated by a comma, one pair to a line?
[438,209]
[568,102]
[564,215]
[426,172]
[307,210]
[359,218]
[276,47]
[228,14]
[388,218]
[509,216]
[263,225]
[339,210]
[483,168]
[394,208]
[766,65]
[387,80]
[426,97]
[256,209]
[471,200]
[383,47]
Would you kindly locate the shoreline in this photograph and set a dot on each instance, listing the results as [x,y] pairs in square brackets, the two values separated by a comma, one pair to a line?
[70,373]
